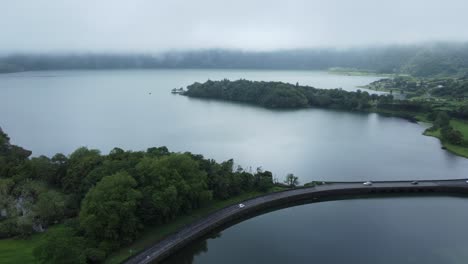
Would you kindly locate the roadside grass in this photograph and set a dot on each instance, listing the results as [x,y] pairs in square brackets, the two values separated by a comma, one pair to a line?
[153,234]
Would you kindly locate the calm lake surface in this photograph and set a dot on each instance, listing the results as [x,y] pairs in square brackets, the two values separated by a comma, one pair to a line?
[50,112]
[429,230]
[59,111]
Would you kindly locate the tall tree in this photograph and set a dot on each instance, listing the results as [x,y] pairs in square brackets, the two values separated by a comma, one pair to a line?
[108,212]
[50,207]
[291,180]
[80,163]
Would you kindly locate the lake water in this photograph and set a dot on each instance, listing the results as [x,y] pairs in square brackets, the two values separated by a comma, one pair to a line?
[59,111]
[50,112]
[429,230]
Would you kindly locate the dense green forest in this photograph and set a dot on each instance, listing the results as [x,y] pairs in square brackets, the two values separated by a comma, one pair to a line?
[417,60]
[285,95]
[101,203]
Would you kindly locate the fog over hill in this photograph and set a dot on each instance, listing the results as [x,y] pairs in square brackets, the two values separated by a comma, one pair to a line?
[420,37]
[418,59]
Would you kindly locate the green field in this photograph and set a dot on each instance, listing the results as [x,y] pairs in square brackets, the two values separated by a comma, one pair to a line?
[18,250]
[357,72]
[462,126]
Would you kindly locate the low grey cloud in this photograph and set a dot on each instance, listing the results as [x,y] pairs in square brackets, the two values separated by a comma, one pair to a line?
[156,25]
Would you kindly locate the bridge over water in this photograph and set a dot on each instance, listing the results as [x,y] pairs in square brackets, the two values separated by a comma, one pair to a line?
[328,191]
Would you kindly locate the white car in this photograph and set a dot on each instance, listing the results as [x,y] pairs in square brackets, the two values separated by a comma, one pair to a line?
[241,205]
[368,183]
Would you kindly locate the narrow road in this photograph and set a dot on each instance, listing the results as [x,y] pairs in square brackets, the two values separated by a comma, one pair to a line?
[173,242]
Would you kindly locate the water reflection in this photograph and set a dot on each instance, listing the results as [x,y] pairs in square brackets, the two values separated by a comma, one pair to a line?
[195,249]
[429,230]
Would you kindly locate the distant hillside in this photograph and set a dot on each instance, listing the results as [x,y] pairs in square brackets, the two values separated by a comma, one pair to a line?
[418,60]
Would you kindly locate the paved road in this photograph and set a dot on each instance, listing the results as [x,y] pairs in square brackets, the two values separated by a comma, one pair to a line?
[203,226]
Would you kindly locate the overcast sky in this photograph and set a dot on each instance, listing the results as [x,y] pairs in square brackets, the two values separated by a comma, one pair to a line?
[157,25]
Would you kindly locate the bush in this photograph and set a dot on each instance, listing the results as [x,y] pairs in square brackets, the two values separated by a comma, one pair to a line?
[8,228]
[451,135]
[61,246]
[108,212]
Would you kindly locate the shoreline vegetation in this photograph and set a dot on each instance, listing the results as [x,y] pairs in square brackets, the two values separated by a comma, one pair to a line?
[104,208]
[458,125]
[446,113]
[443,94]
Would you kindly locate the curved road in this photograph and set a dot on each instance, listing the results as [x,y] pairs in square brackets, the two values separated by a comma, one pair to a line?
[331,190]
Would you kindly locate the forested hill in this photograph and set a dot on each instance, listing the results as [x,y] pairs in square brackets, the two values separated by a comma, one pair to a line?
[284,95]
[418,60]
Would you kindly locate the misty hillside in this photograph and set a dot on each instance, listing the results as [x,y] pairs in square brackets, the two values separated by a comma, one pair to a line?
[418,60]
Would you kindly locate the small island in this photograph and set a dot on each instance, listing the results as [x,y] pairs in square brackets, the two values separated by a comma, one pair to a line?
[178,91]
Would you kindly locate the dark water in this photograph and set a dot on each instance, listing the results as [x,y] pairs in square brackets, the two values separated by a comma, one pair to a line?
[50,112]
[429,230]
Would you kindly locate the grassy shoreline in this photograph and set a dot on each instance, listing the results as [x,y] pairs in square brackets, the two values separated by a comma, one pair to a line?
[357,72]
[457,124]
[454,149]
